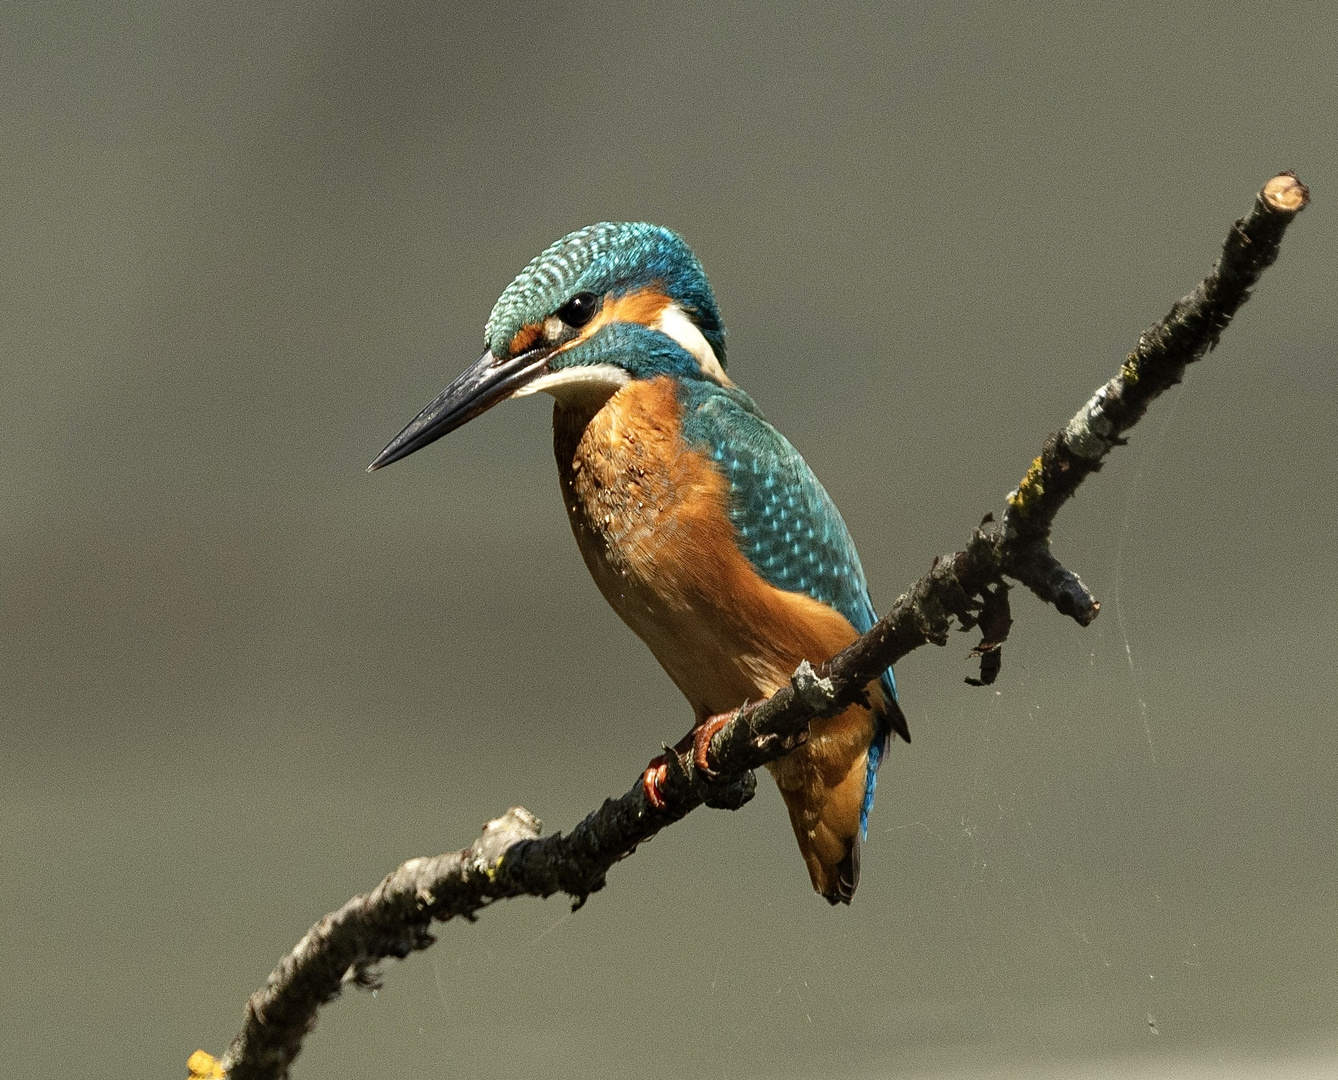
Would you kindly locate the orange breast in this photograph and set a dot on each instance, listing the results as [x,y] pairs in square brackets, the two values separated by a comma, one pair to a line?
[651,518]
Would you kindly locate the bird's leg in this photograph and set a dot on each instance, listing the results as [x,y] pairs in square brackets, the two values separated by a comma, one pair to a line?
[658,771]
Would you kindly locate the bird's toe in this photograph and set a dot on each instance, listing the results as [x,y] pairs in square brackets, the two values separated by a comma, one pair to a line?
[701,741]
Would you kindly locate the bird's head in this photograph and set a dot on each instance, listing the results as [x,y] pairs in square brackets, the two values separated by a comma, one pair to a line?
[603,306]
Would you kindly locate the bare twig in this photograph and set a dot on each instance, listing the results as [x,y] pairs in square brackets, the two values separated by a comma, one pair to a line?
[967,588]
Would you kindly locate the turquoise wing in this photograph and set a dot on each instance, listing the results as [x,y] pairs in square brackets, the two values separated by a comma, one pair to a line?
[786,524]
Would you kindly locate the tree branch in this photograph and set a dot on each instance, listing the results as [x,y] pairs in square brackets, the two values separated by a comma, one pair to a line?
[968,588]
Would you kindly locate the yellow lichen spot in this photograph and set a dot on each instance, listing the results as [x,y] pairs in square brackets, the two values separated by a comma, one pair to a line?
[204,1066]
[492,871]
[1129,369]
[1029,490]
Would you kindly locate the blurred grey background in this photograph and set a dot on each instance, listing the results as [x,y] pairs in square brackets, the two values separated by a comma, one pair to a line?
[242,679]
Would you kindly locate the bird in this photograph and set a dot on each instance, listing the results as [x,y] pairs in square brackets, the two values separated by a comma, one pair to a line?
[703,527]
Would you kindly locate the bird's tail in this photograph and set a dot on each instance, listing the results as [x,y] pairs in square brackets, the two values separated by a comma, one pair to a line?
[825,784]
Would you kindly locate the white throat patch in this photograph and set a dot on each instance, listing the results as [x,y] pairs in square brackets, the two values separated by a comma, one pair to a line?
[674,323]
[593,383]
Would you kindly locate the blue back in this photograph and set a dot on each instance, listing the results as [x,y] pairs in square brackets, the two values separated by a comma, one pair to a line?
[785,522]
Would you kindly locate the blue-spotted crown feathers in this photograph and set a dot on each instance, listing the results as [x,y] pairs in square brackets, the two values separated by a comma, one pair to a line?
[611,256]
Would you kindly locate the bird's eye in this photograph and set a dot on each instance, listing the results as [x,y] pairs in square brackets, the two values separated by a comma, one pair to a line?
[579,310]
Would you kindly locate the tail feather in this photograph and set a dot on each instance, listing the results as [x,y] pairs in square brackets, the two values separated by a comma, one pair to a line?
[896,720]
[847,877]
[889,720]
[824,786]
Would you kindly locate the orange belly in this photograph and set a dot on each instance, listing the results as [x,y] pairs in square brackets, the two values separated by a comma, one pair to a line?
[651,517]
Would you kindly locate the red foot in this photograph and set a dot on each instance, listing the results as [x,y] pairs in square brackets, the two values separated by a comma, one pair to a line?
[656,773]
[701,740]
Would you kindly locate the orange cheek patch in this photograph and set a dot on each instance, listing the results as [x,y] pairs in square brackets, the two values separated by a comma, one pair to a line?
[643,306]
[525,338]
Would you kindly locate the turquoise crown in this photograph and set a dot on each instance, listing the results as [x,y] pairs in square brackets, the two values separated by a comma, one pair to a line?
[615,257]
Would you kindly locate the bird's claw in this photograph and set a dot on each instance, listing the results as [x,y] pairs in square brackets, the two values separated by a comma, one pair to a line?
[657,772]
[701,742]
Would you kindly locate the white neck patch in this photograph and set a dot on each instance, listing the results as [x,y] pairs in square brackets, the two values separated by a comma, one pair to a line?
[674,323]
[585,383]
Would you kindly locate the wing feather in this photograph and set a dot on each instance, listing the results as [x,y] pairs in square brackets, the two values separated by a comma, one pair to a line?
[787,525]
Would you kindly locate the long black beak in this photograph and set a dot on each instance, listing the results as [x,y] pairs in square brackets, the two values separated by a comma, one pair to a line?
[474,391]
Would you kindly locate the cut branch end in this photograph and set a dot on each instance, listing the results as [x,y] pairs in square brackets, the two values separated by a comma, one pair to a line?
[1285,194]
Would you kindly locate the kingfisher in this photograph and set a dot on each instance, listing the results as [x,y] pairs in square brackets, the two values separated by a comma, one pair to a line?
[702,526]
